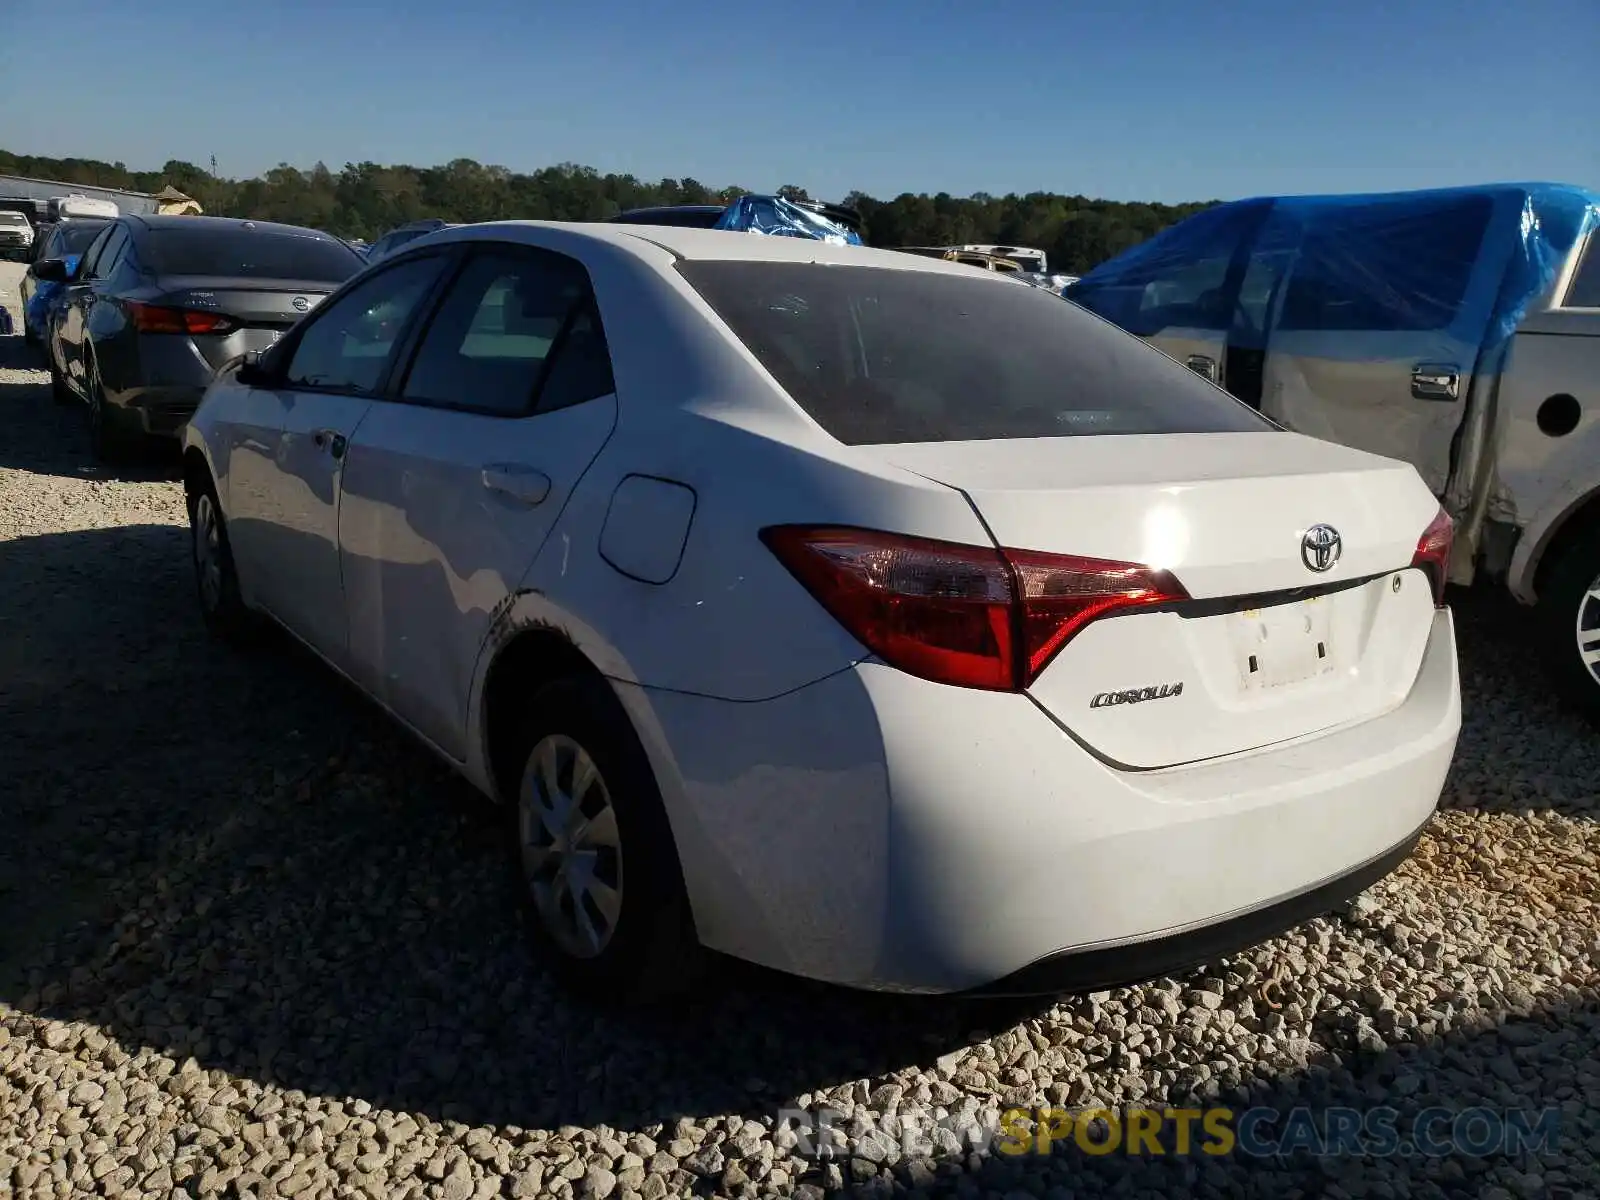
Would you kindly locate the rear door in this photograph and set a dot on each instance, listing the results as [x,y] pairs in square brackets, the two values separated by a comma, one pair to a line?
[1383,314]
[454,481]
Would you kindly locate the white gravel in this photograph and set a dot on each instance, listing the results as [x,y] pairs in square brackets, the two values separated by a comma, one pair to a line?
[255,943]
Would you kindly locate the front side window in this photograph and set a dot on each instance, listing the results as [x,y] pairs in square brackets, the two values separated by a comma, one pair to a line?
[74,238]
[881,356]
[347,345]
[86,264]
[489,345]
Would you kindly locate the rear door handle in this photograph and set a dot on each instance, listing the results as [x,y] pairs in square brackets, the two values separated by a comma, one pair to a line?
[1436,381]
[523,484]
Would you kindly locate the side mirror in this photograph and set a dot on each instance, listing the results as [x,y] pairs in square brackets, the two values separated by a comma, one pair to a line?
[250,372]
[51,270]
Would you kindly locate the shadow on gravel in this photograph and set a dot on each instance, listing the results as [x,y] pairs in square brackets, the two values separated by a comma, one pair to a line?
[45,438]
[233,857]
[1521,747]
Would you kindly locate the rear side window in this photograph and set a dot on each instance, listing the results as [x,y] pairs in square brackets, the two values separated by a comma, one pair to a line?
[509,320]
[881,356]
[247,253]
[106,261]
[1386,268]
[1584,291]
[1180,278]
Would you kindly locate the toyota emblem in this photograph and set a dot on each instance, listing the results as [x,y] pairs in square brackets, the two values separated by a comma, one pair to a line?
[1320,547]
[301,304]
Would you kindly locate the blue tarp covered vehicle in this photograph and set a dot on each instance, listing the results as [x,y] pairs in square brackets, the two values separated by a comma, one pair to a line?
[1456,329]
[1459,263]
[36,316]
[778,217]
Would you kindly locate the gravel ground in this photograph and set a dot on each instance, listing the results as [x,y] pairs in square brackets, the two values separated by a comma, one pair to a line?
[253,942]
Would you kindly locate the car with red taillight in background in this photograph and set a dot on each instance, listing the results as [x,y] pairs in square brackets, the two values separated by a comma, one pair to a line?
[157,304]
[857,614]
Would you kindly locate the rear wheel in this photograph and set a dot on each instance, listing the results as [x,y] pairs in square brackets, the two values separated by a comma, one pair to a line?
[108,441]
[1569,619]
[600,872]
[59,392]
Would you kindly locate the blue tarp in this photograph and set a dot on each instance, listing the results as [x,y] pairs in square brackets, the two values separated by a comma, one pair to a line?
[776,216]
[1461,264]
[44,294]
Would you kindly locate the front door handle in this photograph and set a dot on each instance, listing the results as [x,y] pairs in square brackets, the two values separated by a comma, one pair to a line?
[523,484]
[330,440]
[1436,381]
[1202,364]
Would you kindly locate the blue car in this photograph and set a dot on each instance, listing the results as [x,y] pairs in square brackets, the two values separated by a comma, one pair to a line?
[67,239]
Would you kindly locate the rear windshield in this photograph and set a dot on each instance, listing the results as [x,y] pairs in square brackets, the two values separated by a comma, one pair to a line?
[249,253]
[879,356]
[14,218]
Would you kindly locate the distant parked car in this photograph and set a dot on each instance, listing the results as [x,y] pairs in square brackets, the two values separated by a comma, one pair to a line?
[158,303]
[876,619]
[66,240]
[395,238]
[1455,328]
[16,234]
[684,216]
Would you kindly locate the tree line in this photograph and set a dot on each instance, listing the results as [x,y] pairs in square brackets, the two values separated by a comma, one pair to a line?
[367,199]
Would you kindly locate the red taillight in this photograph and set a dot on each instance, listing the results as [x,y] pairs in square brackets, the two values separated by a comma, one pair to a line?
[158,318]
[1433,553]
[967,615]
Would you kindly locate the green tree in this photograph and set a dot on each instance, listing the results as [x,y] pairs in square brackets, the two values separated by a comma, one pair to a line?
[365,199]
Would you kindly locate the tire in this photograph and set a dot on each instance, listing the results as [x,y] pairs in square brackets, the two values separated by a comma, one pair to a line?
[107,443]
[1568,614]
[645,949]
[216,581]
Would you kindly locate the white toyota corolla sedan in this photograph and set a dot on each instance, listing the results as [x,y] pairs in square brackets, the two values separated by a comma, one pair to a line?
[858,614]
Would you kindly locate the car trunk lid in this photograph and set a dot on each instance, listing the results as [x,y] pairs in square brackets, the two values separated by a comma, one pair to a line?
[260,311]
[1267,648]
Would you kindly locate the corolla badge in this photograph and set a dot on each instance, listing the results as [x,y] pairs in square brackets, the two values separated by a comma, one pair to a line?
[1320,547]
[300,304]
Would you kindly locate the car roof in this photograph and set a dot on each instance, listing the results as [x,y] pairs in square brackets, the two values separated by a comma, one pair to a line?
[149,221]
[707,245]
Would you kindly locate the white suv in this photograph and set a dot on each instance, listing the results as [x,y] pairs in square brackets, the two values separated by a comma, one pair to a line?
[16,234]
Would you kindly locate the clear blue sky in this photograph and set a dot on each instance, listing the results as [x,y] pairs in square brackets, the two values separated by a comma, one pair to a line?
[1132,100]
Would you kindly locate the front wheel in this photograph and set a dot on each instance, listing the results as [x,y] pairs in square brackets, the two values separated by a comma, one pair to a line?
[600,871]
[216,583]
[1569,619]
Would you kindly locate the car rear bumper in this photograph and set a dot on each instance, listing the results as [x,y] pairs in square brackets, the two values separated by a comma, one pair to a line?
[879,831]
[160,412]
